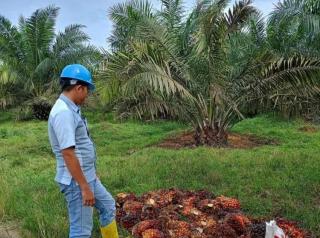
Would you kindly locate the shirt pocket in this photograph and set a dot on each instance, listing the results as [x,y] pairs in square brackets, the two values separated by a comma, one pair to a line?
[81,131]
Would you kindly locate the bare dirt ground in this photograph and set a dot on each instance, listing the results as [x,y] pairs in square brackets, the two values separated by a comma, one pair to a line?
[9,230]
[236,141]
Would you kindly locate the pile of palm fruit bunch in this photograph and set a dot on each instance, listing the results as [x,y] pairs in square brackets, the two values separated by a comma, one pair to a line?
[174,213]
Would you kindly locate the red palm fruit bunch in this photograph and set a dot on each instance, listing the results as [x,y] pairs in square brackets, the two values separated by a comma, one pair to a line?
[123,197]
[206,205]
[132,207]
[152,233]
[188,205]
[169,212]
[142,226]
[205,221]
[291,229]
[222,230]
[162,198]
[205,224]
[178,229]
[226,203]
[258,228]
[149,212]
[132,211]
[126,218]
[128,221]
[239,222]
[176,213]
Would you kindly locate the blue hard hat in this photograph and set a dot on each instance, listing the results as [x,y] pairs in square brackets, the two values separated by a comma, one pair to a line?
[79,73]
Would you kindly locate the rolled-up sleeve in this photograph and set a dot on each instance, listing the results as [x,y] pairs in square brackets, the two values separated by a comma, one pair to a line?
[64,128]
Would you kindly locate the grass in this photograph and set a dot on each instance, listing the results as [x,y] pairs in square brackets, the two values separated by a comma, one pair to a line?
[270,181]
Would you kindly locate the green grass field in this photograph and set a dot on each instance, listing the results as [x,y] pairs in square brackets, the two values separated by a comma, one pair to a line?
[270,181]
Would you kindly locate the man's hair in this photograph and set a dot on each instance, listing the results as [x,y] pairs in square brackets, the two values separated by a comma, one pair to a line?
[67,87]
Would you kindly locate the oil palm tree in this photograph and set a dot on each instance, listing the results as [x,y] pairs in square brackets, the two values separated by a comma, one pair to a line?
[35,54]
[294,27]
[294,30]
[207,70]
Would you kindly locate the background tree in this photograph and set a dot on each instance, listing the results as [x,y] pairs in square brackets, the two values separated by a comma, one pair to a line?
[8,93]
[35,55]
[294,29]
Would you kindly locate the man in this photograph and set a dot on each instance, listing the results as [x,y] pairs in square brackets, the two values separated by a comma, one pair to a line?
[76,157]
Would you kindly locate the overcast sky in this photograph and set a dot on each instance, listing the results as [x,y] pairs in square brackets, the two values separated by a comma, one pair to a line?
[92,13]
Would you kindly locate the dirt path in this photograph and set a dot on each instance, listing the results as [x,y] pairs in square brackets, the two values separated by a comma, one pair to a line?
[9,231]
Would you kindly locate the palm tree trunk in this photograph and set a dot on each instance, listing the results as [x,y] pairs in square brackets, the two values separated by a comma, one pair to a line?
[215,137]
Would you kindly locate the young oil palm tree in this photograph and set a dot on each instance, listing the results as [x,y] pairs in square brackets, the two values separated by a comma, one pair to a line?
[293,30]
[206,70]
[35,54]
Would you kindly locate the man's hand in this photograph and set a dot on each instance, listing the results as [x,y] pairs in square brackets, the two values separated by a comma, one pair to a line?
[74,167]
[87,197]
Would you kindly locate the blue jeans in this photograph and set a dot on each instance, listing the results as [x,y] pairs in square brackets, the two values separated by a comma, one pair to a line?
[80,216]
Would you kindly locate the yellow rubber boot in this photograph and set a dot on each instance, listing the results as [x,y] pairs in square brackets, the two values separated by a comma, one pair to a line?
[110,231]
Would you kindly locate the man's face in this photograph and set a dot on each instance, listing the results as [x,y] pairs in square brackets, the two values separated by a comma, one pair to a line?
[82,94]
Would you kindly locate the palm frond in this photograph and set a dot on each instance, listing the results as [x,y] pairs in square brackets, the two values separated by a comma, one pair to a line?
[158,78]
[163,44]
[10,41]
[171,13]
[256,28]
[72,36]
[287,10]
[285,82]
[239,14]
[297,74]
[39,30]
[125,17]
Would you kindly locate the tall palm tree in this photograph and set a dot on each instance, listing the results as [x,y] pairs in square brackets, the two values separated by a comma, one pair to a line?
[35,54]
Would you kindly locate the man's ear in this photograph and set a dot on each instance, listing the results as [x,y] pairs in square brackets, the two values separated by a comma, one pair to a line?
[77,87]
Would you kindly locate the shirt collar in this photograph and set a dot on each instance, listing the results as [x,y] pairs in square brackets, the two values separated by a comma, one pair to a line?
[70,103]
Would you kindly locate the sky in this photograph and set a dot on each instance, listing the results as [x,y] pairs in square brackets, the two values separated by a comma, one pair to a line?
[91,13]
